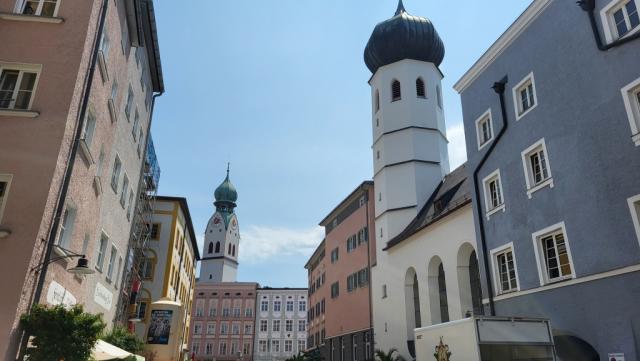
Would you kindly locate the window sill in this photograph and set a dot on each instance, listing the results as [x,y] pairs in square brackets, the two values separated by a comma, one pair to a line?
[636,139]
[546,183]
[480,146]
[86,153]
[103,67]
[112,111]
[31,18]
[520,115]
[97,185]
[495,210]
[558,280]
[19,113]
[630,33]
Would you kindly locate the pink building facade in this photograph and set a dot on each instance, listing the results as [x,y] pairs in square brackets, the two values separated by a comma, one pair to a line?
[223,321]
[74,131]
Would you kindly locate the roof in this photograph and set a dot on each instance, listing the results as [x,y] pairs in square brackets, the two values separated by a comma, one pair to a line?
[187,216]
[267,288]
[363,186]
[453,192]
[315,253]
[150,34]
[402,37]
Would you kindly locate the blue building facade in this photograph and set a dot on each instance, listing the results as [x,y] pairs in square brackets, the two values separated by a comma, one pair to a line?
[551,114]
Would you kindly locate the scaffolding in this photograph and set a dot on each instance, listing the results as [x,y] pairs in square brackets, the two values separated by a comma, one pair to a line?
[128,310]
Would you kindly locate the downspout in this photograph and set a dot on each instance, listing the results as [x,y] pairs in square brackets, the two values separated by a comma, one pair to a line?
[369,272]
[499,88]
[71,161]
[589,6]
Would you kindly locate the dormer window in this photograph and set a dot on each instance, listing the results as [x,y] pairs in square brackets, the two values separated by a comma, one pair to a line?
[420,91]
[395,91]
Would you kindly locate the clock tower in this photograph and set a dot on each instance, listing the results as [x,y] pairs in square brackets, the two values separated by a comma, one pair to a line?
[222,238]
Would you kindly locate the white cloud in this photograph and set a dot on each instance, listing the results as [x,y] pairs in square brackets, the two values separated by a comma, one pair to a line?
[457,147]
[262,243]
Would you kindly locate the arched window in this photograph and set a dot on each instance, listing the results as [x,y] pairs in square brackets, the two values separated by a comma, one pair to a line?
[229,251]
[233,250]
[412,302]
[395,91]
[416,301]
[439,95]
[210,247]
[420,92]
[376,100]
[217,247]
[442,291]
[474,280]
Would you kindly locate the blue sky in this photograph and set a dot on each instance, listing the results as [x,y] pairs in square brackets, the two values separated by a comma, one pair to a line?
[279,89]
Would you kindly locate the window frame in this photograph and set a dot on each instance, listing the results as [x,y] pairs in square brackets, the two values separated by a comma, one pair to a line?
[540,258]
[125,187]
[66,230]
[129,103]
[21,68]
[495,267]
[516,90]
[395,98]
[608,21]
[113,256]
[5,178]
[101,249]
[487,115]
[421,85]
[526,154]
[630,96]
[115,173]
[21,4]
[635,213]
[495,175]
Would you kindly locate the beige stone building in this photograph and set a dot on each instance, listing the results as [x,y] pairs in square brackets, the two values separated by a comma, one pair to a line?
[78,81]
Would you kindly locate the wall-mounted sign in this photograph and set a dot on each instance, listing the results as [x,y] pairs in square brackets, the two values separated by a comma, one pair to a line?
[103,296]
[159,327]
[616,357]
[58,295]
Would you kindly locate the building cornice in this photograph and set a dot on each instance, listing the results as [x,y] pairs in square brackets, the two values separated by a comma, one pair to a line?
[536,8]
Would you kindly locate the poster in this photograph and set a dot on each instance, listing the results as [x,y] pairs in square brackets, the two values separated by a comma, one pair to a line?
[160,327]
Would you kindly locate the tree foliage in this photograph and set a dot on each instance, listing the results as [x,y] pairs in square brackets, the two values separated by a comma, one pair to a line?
[61,333]
[121,337]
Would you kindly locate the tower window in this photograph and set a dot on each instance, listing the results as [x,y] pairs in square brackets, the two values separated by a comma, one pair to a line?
[376,100]
[217,247]
[229,251]
[420,92]
[210,247]
[395,91]
[233,250]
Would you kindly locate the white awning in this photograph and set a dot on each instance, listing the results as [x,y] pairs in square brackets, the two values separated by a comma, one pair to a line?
[105,351]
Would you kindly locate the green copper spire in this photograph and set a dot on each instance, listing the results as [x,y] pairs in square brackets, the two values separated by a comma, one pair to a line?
[226,194]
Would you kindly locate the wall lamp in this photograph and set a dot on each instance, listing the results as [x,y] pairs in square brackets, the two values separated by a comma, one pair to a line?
[81,268]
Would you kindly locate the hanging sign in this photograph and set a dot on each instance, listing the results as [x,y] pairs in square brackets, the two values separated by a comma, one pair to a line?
[616,357]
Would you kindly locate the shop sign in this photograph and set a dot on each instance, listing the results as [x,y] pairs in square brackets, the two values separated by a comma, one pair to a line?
[103,296]
[58,295]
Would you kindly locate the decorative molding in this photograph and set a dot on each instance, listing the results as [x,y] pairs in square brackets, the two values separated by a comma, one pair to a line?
[31,18]
[431,162]
[571,282]
[504,41]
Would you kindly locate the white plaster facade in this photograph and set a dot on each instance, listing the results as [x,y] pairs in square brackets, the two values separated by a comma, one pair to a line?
[220,251]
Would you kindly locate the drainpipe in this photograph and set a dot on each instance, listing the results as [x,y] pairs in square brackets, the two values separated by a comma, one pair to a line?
[499,88]
[70,163]
[589,7]
[369,232]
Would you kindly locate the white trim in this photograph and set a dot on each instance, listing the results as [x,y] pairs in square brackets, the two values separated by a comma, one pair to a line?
[19,113]
[31,18]
[479,130]
[5,178]
[572,282]
[20,4]
[501,207]
[21,68]
[538,252]
[496,272]
[606,18]
[521,24]
[527,171]
[632,207]
[516,96]
[633,109]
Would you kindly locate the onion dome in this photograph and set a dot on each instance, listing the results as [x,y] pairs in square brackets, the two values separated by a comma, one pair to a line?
[226,192]
[402,37]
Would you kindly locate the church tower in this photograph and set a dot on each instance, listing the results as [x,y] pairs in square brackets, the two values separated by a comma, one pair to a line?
[409,135]
[219,261]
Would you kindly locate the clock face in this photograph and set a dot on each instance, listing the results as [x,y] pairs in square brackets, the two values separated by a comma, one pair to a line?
[217,220]
[234,224]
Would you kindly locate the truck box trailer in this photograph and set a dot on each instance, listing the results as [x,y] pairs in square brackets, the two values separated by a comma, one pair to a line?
[481,338]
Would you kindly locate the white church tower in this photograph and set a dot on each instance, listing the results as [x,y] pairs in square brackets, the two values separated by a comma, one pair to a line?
[219,261]
[409,136]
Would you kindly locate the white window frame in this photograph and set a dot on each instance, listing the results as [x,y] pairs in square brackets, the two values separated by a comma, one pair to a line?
[487,197]
[113,255]
[115,173]
[5,178]
[129,103]
[516,96]
[632,105]
[65,232]
[275,326]
[485,116]
[20,4]
[21,68]
[540,260]
[125,187]
[634,208]
[288,346]
[100,256]
[609,24]
[495,267]
[264,323]
[275,346]
[528,172]
[262,346]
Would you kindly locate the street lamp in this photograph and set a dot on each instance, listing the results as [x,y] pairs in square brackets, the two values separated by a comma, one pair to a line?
[81,268]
